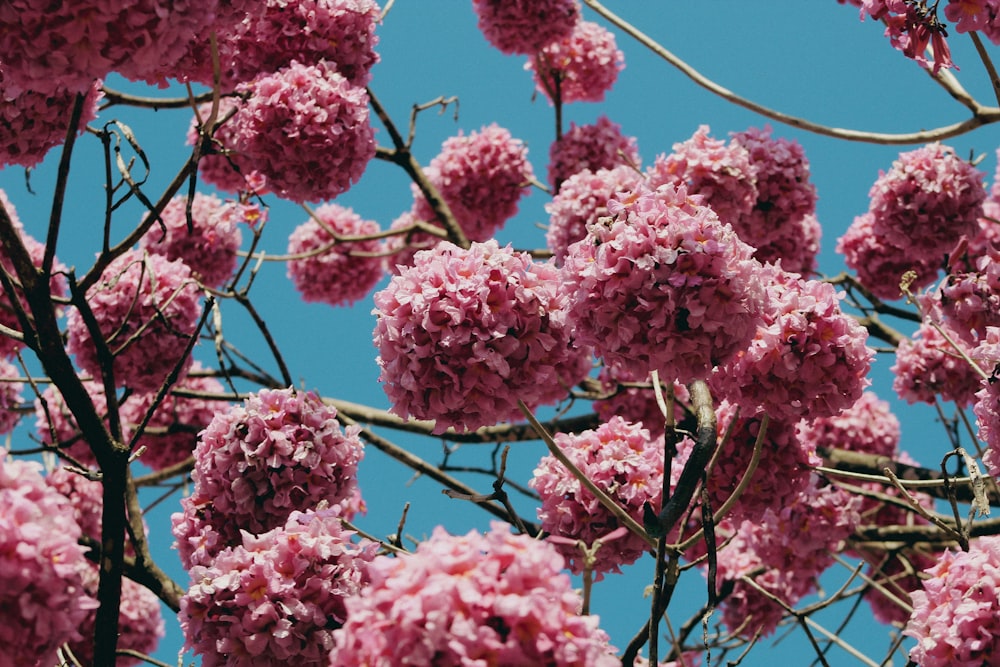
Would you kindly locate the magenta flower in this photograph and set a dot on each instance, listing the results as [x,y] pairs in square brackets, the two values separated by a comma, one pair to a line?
[956,615]
[524,26]
[275,599]
[598,146]
[282,451]
[34,123]
[580,67]
[582,199]
[147,309]
[43,601]
[482,176]
[868,426]
[463,334]
[306,129]
[328,269]
[497,599]
[928,367]
[662,285]
[209,247]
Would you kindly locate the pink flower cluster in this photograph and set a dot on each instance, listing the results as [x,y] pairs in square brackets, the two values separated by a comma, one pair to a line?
[10,396]
[481,176]
[306,129]
[662,285]
[975,15]
[637,404]
[42,596]
[899,574]
[600,145]
[911,28]
[330,270]
[970,300]
[807,359]
[35,122]
[580,67]
[583,198]
[282,451]
[56,425]
[987,406]
[868,426]
[402,248]
[339,32]
[929,367]
[276,598]
[497,599]
[956,616]
[793,545]
[209,246]
[221,163]
[147,309]
[524,26]
[464,334]
[620,459]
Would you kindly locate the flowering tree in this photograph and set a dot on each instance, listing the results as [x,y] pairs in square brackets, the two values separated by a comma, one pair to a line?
[688,394]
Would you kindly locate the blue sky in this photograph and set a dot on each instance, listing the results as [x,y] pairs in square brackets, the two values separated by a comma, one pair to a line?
[814,59]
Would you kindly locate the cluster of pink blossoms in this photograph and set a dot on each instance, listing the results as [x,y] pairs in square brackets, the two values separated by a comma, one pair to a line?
[956,615]
[329,270]
[10,396]
[43,601]
[280,452]
[402,248]
[600,145]
[911,27]
[147,308]
[662,285]
[583,198]
[464,334]
[929,367]
[524,26]
[209,246]
[987,407]
[637,404]
[580,67]
[56,425]
[493,599]
[221,164]
[620,459]
[880,265]
[481,176]
[807,358]
[867,426]
[970,300]
[34,123]
[275,599]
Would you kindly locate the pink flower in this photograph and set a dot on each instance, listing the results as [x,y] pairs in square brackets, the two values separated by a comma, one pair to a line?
[255,464]
[402,248]
[987,237]
[306,129]
[880,264]
[340,32]
[524,26]
[463,334]
[42,597]
[970,300]
[221,163]
[582,199]
[56,426]
[331,270]
[662,285]
[147,309]
[580,67]
[973,15]
[497,599]
[868,426]
[620,459]
[797,250]
[598,146]
[482,176]
[807,358]
[956,615]
[209,246]
[987,409]
[926,202]
[637,404]
[36,122]
[275,599]
[10,396]
[928,367]
[899,574]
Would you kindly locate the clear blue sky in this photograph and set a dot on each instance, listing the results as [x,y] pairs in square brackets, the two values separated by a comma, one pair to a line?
[813,59]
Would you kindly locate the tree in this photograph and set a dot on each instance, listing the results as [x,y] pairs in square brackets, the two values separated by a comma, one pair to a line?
[499,332]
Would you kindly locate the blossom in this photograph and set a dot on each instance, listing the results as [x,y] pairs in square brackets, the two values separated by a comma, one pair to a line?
[36,122]
[622,460]
[275,599]
[956,614]
[867,426]
[493,598]
[807,358]
[42,597]
[880,264]
[147,309]
[600,145]
[306,129]
[928,366]
[580,67]
[583,198]
[987,237]
[402,247]
[524,26]
[221,163]
[662,285]
[987,399]
[481,176]
[56,426]
[10,396]
[911,27]
[637,403]
[464,334]
[970,300]
[325,268]
[255,464]
[899,575]
[927,201]
[797,249]
[340,32]
[209,246]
